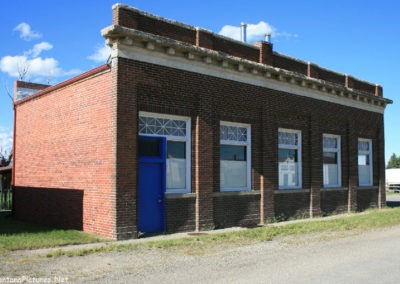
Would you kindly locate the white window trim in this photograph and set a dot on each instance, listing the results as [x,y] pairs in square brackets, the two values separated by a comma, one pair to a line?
[299,157]
[248,153]
[339,160]
[369,152]
[186,139]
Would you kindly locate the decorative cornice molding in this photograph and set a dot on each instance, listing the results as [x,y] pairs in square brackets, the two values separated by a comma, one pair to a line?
[142,46]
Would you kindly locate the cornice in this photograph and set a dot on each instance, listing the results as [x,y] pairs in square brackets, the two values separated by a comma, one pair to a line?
[122,39]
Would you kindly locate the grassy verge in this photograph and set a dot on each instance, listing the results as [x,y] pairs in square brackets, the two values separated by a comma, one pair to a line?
[15,235]
[200,244]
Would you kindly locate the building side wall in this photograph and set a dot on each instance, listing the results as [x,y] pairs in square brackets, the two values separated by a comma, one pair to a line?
[180,214]
[209,100]
[334,201]
[64,158]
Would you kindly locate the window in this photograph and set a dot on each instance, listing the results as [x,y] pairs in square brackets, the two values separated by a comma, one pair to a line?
[331,160]
[235,156]
[289,158]
[364,162]
[177,132]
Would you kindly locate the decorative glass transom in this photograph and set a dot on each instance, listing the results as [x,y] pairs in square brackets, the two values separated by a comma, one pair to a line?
[287,138]
[363,146]
[162,126]
[330,142]
[233,133]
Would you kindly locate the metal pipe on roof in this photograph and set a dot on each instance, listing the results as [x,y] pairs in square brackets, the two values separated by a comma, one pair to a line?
[243,32]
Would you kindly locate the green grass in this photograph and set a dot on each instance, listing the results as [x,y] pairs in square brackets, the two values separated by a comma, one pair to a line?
[200,244]
[16,235]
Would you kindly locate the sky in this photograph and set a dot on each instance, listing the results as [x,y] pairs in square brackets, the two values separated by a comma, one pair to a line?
[56,40]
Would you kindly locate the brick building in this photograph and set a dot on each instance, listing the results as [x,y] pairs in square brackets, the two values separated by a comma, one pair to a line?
[185,130]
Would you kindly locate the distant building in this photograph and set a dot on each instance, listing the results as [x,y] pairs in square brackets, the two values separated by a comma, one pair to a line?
[393,180]
[185,129]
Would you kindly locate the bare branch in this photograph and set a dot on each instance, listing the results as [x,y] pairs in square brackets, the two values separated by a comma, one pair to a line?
[23,69]
[8,92]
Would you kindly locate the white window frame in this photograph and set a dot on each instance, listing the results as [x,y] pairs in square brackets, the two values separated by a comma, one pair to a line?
[246,143]
[299,156]
[186,139]
[336,150]
[369,152]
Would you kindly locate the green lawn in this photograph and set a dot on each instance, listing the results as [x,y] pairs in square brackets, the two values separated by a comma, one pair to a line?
[341,226]
[15,235]
[19,235]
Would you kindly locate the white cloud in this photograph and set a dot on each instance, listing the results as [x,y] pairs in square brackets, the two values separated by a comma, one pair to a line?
[72,72]
[25,31]
[286,35]
[6,141]
[101,53]
[38,48]
[13,64]
[31,63]
[254,32]
[37,67]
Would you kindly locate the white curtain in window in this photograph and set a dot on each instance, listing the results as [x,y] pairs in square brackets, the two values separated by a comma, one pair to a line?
[364,175]
[233,174]
[331,174]
[176,173]
[288,175]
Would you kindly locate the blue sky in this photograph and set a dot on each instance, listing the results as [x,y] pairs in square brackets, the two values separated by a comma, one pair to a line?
[59,39]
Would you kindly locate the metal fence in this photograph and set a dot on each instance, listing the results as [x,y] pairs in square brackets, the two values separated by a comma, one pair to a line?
[5,199]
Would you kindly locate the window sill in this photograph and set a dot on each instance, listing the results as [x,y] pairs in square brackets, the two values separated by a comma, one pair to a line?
[291,190]
[234,189]
[179,195]
[236,193]
[362,187]
[334,189]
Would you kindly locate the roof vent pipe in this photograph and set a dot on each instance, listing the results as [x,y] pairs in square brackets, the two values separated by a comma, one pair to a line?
[243,32]
[268,37]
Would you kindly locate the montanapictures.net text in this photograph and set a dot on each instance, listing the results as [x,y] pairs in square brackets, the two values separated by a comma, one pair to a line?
[27,279]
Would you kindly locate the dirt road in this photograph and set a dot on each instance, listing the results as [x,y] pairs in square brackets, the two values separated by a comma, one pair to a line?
[372,257]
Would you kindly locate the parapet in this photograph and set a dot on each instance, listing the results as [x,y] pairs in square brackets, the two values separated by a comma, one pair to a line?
[260,52]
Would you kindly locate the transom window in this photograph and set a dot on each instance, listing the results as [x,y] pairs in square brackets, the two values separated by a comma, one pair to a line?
[162,126]
[235,156]
[176,129]
[331,160]
[289,158]
[233,133]
[364,162]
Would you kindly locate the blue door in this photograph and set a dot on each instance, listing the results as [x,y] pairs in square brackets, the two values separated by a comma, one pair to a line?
[151,180]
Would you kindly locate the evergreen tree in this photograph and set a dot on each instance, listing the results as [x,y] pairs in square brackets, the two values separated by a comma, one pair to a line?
[394,162]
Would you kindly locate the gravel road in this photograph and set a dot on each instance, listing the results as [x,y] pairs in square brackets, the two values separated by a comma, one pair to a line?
[372,257]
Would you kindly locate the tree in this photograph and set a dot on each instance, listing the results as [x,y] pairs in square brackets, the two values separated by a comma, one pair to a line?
[5,159]
[394,162]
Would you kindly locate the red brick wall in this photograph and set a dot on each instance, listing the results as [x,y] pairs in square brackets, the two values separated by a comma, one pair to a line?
[333,201]
[236,210]
[212,99]
[135,19]
[64,158]
[180,214]
[288,63]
